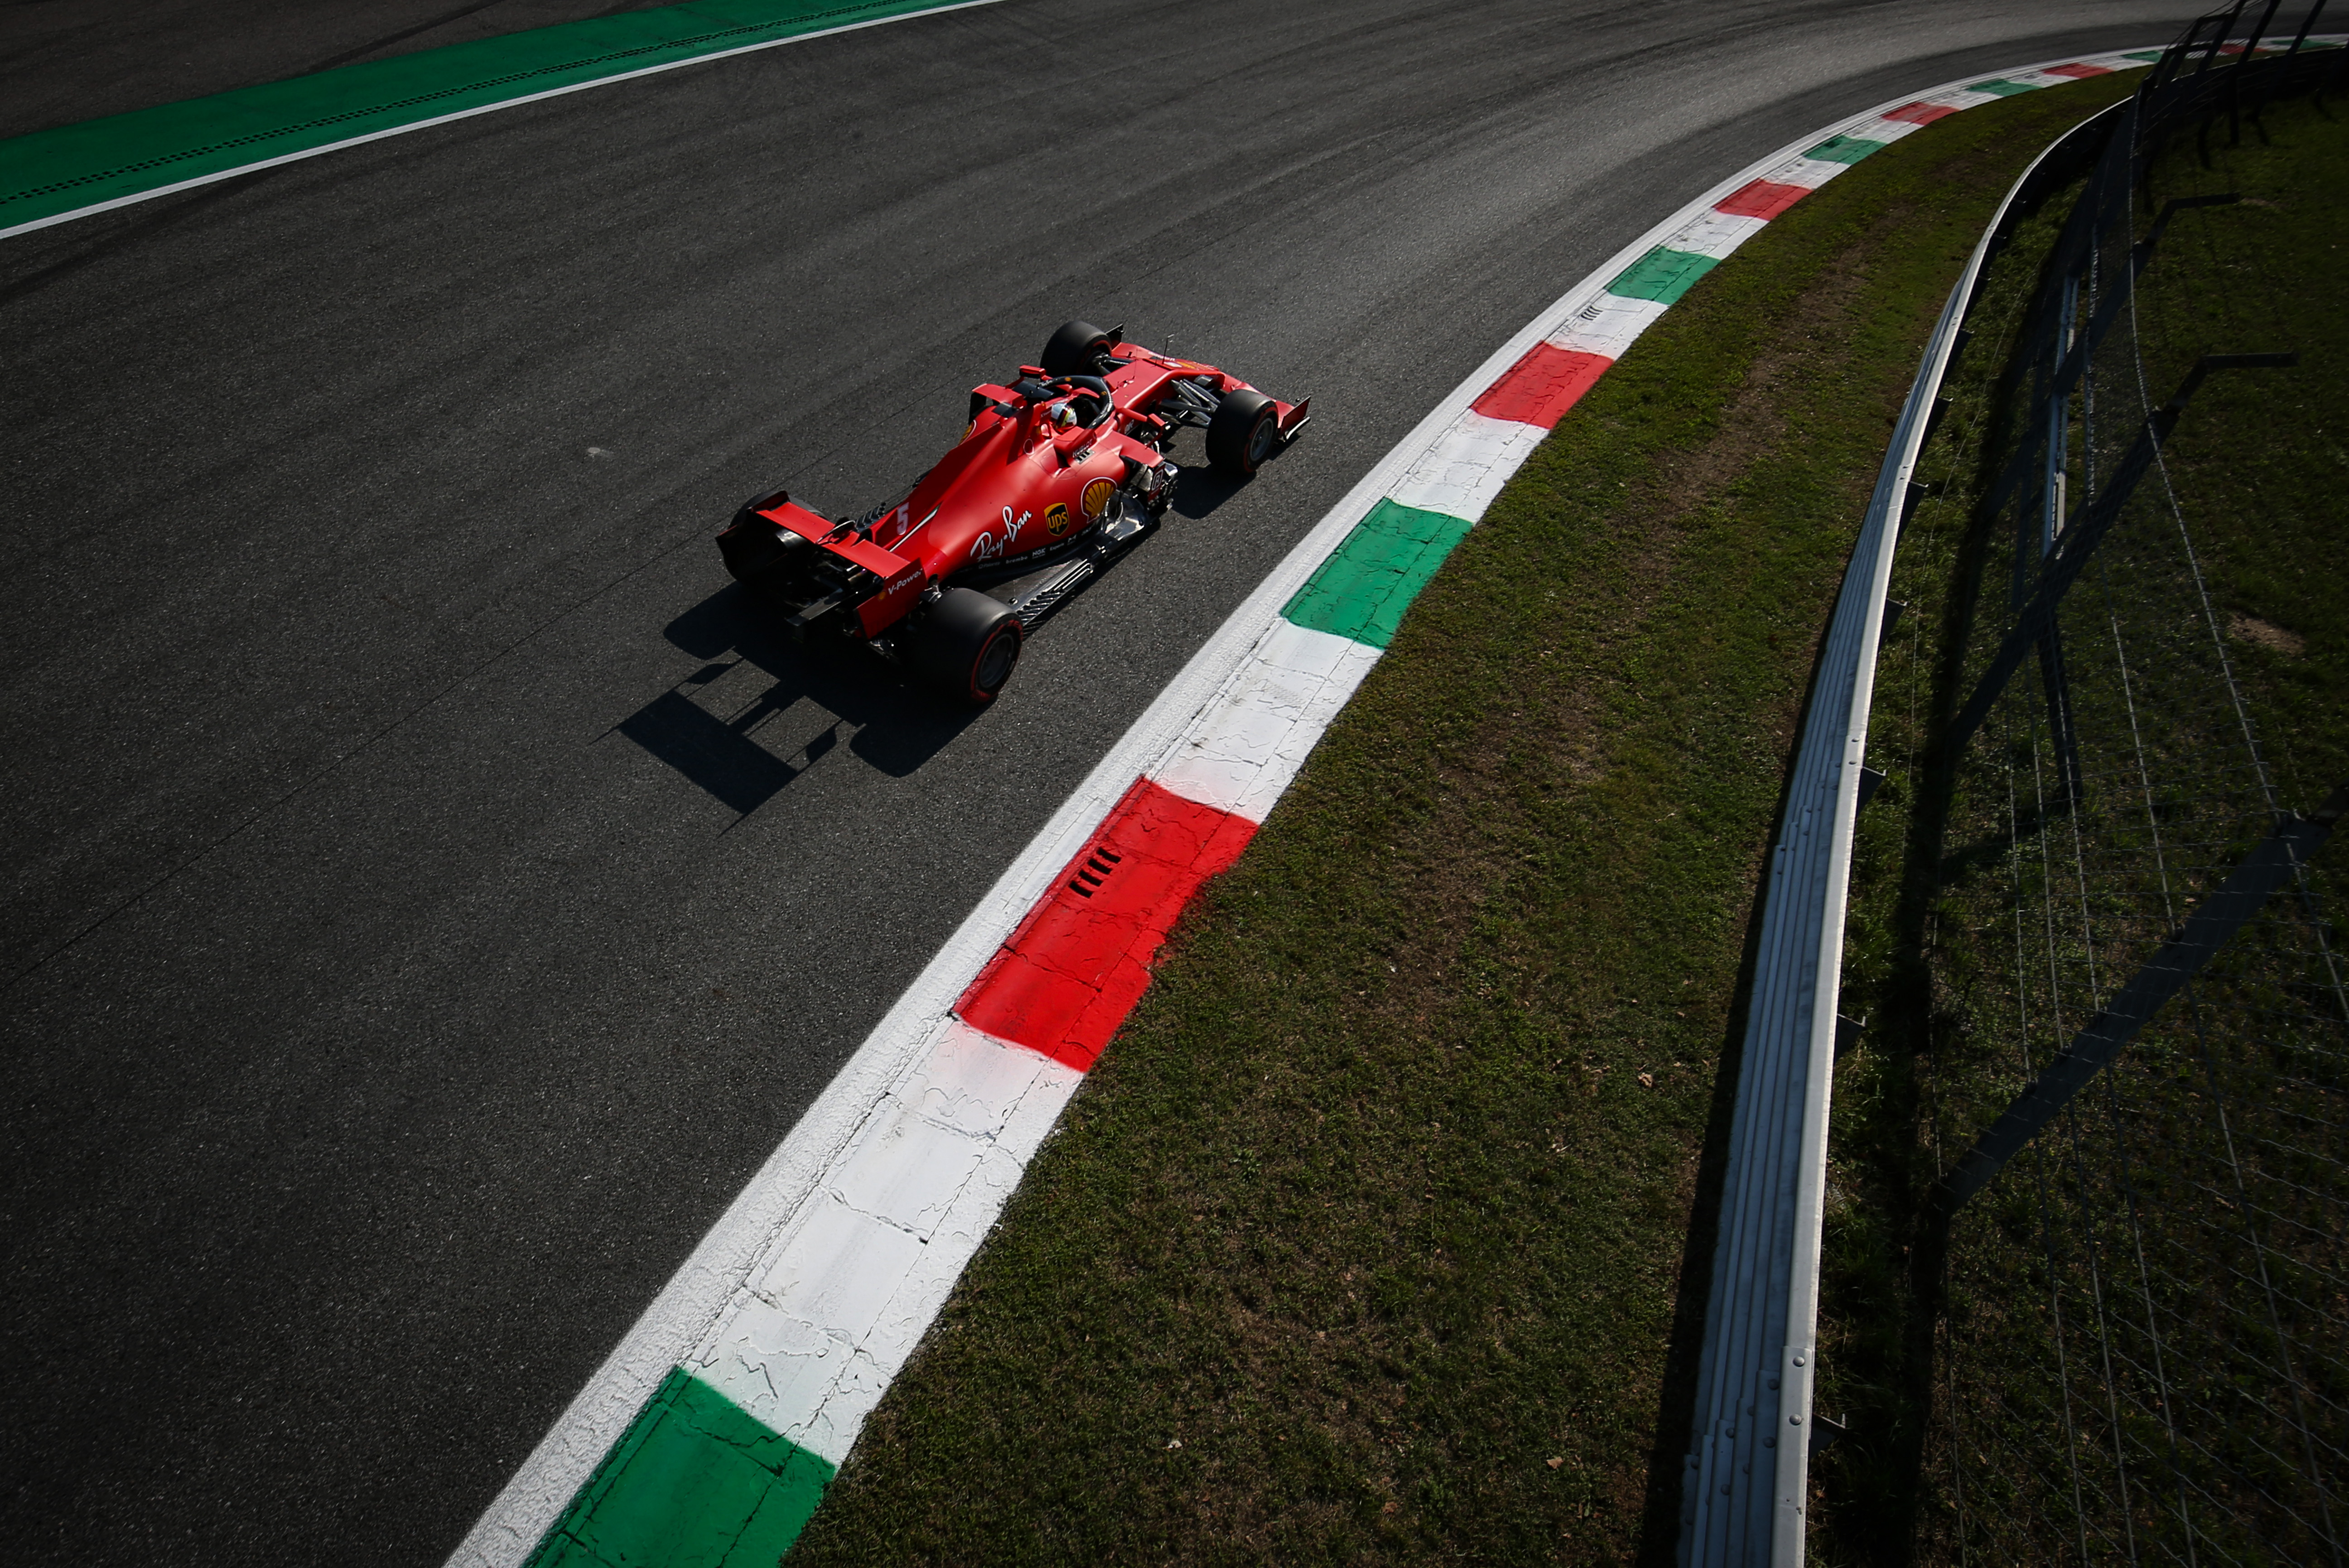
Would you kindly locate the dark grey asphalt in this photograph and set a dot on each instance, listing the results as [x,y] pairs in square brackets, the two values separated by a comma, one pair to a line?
[404,961]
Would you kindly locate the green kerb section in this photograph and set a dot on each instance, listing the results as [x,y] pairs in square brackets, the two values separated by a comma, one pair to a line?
[73,166]
[1845,149]
[2003,88]
[1362,590]
[694,1483]
[1661,275]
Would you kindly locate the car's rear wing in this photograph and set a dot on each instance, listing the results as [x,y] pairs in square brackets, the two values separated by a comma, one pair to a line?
[818,567]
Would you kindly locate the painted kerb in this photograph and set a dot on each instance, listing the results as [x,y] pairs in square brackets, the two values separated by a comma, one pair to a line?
[770,1348]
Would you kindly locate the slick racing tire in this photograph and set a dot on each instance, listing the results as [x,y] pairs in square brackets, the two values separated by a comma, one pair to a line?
[965,647]
[1243,433]
[1074,348]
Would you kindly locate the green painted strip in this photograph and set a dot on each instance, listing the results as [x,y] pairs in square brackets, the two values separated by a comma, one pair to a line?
[2148,55]
[1845,149]
[1361,591]
[693,1483]
[51,172]
[2003,88]
[1662,276]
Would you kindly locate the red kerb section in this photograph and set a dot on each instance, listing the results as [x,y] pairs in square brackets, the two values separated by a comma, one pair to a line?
[1539,388]
[1920,113]
[2079,70]
[1081,960]
[1761,198]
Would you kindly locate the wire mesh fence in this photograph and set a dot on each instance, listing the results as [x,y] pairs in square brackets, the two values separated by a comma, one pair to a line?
[2140,1107]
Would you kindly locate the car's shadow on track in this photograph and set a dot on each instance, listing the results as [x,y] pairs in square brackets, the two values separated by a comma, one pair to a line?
[1202,490]
[893,727]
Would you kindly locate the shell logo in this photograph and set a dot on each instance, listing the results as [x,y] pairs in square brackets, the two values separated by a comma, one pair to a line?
[1095,499]
[1056,519]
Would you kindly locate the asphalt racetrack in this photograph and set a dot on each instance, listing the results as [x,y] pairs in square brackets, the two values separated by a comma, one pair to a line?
[430,889]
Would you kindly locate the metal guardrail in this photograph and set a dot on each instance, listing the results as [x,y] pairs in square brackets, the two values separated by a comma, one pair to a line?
[1745,1486]
[1749,1465]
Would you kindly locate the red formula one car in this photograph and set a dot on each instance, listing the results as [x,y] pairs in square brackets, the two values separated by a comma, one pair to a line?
[1060,473]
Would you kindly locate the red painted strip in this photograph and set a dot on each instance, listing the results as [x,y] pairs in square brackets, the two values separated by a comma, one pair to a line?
[2079,70]
[1539,388]
[1081,960]
[1920,113]
[1761,198]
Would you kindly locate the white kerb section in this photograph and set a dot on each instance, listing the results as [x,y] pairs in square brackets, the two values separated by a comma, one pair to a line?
[1716,235]
[1467,466]
[1884,130]
[1240,753]
[1810,173]
[1964,98]
[1607,325]
[861,1269]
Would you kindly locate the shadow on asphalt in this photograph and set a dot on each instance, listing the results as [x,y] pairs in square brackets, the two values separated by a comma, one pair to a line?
[1200,490]
[892,726]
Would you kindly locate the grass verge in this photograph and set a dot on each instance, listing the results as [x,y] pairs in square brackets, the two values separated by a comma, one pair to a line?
[1381,1232]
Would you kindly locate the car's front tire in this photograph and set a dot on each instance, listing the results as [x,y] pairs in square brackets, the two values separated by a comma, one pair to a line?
[1242,433]
[964,646]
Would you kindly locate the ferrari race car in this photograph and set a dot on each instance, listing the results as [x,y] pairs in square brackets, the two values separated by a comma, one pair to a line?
[1059,473]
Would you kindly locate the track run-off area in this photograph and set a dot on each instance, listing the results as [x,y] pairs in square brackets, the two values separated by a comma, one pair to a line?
[432,893]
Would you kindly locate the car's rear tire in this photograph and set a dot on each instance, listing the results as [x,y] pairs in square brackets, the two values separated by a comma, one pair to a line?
[1242,433]
[1072,349]
[965,645]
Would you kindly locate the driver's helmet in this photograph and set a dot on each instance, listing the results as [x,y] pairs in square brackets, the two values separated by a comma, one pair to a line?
[1064,415]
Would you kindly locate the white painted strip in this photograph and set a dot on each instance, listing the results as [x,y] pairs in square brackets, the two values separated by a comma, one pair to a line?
[715,1285]
[260,163]
[1239,754]
[1606,324]
[1964,99]
[1810,173]
[859,1271]
[2033,79]
[1716,234]
[1466,467]
[1885,131]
